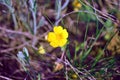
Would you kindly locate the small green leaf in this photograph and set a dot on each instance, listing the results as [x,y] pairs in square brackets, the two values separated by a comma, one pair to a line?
[39,77]
[108,23]
[41,22]
[26,54]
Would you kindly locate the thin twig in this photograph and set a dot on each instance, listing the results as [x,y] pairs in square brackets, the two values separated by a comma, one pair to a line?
[104,14]
[68,63]
[78,71]
[26,34]
[85,11]
[66,72]
[17,47]
[6,78]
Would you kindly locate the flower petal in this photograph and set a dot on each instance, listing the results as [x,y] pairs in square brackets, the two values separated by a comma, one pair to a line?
[58,29]
[58,38]
[54,44]
[62,42]
[65,33]
[51,36]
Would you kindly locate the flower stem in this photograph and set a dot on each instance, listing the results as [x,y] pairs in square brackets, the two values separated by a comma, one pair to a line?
[34,23]
[15,21]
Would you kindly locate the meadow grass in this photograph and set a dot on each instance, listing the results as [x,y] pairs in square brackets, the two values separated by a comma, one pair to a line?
[83,57]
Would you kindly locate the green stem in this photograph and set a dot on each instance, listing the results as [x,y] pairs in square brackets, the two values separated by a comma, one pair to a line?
[34,23]
[15,21]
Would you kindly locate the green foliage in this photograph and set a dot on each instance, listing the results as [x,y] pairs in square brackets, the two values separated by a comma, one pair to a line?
[108,23]
[39,77]
[9,5]
[33,8]
[100,53]
[23,56]
[87,16]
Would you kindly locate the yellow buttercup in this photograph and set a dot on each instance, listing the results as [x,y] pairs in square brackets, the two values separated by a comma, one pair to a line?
[77,5]
[41,50]
[57,38]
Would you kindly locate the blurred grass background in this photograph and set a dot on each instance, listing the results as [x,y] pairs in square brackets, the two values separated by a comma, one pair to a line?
[92,52]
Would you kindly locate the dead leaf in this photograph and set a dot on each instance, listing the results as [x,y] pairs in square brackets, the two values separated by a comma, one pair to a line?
[58,66]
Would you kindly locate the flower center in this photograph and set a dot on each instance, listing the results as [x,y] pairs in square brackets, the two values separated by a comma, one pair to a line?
[59,36]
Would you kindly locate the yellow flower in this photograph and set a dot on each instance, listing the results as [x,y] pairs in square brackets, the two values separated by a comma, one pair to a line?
[77,5]
[74,76]
[41,50]
[58,38]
